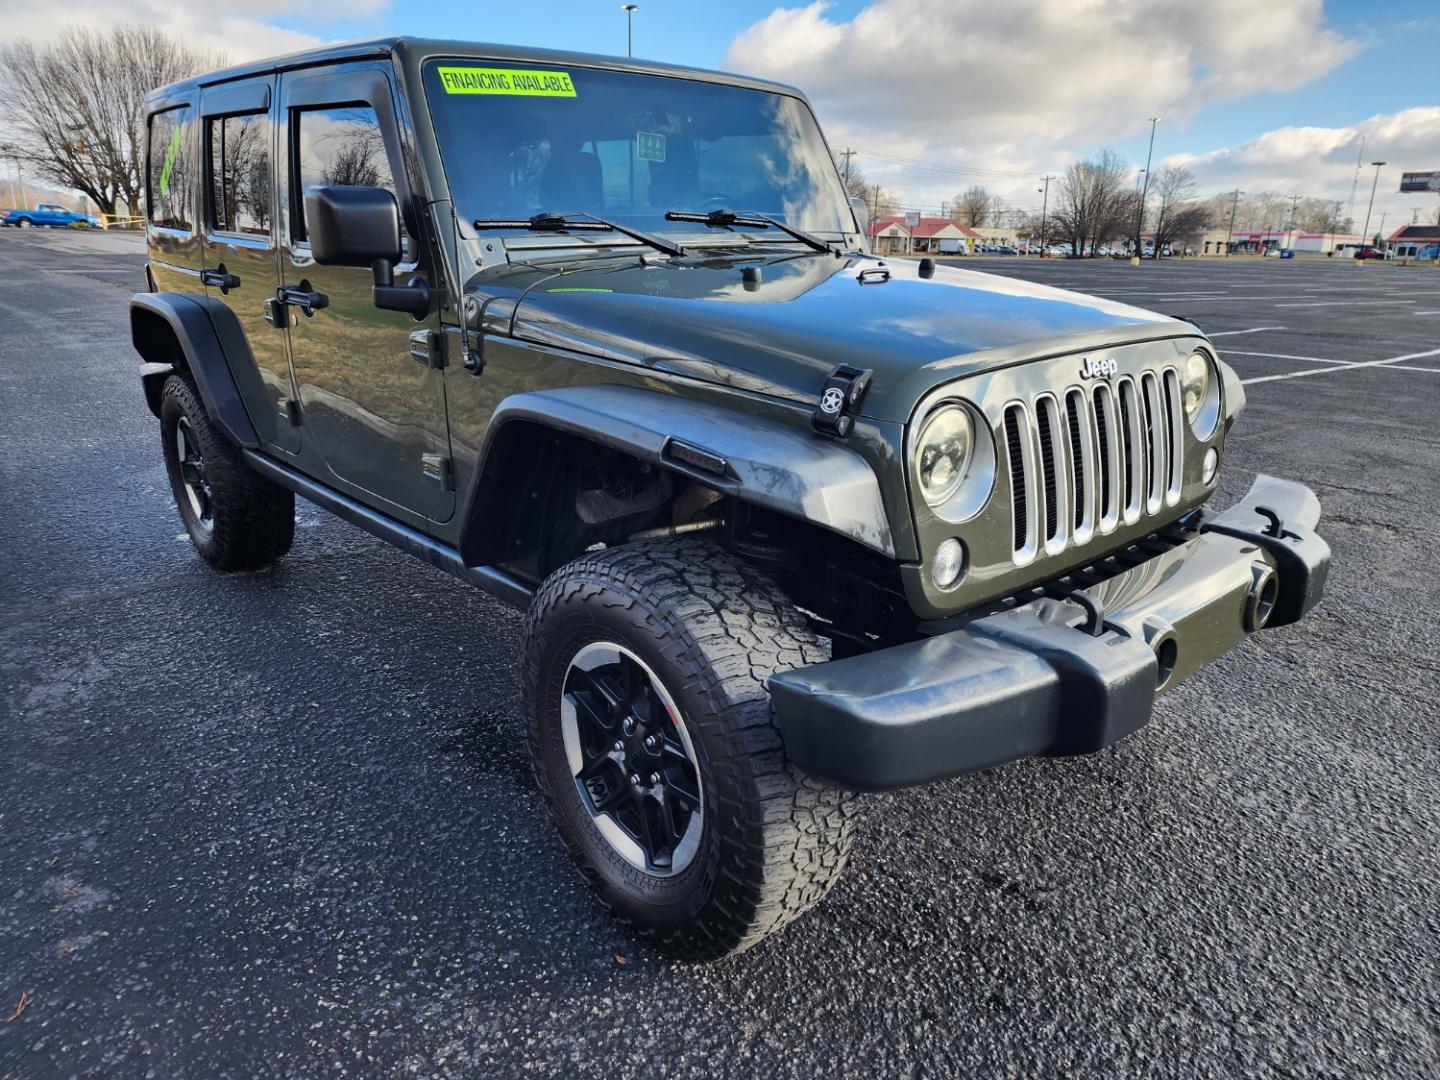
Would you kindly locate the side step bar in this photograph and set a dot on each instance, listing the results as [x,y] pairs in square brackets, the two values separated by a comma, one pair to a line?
[497,583]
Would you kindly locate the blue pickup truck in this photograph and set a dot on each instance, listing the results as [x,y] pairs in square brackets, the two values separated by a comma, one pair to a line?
[51,215]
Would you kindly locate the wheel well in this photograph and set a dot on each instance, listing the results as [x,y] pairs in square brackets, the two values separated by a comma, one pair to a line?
[155,339]
[545,497]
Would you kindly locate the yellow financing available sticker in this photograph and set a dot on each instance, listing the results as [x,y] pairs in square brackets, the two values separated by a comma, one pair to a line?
[475,80]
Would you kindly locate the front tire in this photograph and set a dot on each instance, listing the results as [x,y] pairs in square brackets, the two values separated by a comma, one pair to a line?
[656,750]
[236,518]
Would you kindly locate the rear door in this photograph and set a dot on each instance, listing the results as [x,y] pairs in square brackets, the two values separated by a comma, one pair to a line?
[374,415]
[239,249]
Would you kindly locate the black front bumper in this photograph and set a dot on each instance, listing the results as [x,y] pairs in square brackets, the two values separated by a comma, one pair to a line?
[1051,677]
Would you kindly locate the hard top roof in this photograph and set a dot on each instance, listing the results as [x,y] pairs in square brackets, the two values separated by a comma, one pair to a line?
[417,49]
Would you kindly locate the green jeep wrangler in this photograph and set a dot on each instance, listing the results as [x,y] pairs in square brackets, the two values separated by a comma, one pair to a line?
[788,521]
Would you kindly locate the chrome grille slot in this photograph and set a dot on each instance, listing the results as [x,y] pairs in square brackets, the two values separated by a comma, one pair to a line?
[1174,414]
[1017,432]
[1110,463]
[1157,459]
[1133,446]
[1085,461]
[1050,453]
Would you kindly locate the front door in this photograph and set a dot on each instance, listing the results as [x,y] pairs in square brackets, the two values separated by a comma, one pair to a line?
[242,267]
[374,416]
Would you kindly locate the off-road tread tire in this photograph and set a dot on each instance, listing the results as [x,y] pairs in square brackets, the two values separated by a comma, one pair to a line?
[254,516]
[721,628]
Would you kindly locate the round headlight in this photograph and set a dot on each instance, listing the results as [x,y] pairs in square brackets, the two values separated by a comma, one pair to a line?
[1200,392]
[942,451]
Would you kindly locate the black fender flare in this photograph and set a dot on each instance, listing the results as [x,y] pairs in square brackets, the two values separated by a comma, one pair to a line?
[206,331]
[752,459]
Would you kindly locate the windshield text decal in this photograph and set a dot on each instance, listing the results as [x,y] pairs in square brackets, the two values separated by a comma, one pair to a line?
[474,80]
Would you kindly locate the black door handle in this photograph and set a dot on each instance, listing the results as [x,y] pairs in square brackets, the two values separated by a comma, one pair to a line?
[303,297]
[220,278]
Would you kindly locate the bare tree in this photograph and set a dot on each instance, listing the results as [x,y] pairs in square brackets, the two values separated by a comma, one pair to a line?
[973,207]
[1178,215]
[75,105]
[1092,201]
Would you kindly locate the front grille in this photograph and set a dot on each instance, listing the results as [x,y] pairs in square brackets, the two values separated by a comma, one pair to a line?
[1084,462]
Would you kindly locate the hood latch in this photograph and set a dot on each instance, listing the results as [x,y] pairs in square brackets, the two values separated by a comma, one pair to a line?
[839,398]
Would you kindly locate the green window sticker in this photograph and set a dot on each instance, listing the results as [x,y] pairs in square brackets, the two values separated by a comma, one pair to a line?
[650,146]
[512,81]
[170,152]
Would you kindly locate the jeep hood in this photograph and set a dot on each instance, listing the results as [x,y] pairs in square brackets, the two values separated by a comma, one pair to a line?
[783,334]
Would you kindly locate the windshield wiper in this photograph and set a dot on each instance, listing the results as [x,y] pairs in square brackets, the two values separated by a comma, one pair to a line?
[580,220]
[720,219]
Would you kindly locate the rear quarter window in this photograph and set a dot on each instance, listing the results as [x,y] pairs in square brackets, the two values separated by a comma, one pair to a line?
[168,168]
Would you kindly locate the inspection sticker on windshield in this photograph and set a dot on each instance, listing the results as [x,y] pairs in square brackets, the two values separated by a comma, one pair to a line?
[650,146]
[475,80]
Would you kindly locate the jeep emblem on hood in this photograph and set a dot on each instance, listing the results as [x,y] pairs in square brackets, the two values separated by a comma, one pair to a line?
[1099,369]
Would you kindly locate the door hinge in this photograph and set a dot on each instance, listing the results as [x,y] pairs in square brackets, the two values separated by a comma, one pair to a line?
[436,468]
[428,348]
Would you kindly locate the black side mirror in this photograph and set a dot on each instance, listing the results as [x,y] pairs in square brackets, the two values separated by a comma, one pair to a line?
[360,226]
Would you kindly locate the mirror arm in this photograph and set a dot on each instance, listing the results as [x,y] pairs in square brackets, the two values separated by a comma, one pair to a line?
[413,297]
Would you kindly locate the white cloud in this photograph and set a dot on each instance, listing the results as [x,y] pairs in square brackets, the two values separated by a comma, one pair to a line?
[237,29]
[1020,85]
[1321,161]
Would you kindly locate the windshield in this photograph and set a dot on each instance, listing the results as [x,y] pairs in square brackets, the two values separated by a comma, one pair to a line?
[523,141]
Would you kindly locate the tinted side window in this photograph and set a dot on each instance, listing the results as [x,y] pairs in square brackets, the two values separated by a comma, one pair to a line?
[338,144]
[168,168]
[239,148]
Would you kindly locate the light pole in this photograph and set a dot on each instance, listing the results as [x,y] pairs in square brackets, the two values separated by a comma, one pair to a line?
[1290,227]
[629,10]
[1144,191]
[1044,207]
[1373,185]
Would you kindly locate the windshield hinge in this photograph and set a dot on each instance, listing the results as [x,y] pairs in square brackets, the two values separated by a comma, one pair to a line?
[839,397]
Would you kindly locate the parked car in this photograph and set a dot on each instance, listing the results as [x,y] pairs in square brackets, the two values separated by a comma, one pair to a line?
[1369,253]
[788,521]
[49,215]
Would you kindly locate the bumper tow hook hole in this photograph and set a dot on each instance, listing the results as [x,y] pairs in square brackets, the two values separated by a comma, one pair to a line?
[1265,602]
[1166,653]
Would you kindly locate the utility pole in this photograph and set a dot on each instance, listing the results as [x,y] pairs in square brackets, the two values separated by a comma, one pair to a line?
[1365,232]
[629,10]
[1290,228]
[1355,183]
[1230,232]
[1044,208]
[1381,232]
[849,153]
[1144,191]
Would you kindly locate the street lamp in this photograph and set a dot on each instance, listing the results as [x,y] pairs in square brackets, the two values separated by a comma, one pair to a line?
[629,10]
[1373,185]
[1140,211]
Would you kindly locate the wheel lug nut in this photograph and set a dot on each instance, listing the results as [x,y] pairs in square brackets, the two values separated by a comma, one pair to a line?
[629,725]
[619,746]
[652,742]
[655,779]
[635,780]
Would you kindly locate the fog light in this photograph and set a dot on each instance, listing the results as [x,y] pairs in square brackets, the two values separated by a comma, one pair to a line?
[1207,467]
[949,564]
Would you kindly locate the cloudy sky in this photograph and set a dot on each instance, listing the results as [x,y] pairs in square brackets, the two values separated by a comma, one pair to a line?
[938,94]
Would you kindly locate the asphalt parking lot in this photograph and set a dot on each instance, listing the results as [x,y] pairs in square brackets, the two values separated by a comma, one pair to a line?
[284,823]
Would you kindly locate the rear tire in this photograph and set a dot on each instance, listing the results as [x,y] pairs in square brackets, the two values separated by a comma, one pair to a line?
[236,518]
[707,629]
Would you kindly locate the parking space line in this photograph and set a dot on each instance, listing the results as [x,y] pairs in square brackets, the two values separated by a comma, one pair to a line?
[1252,330]
[1361,364]
[1288,356]
[1335,303]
